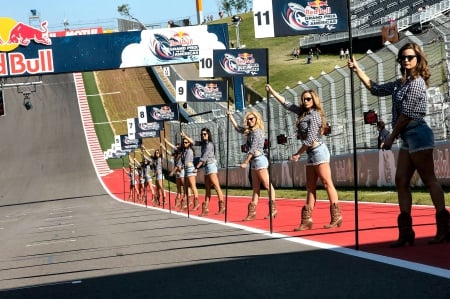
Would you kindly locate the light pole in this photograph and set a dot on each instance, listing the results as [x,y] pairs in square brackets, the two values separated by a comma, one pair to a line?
[236,21]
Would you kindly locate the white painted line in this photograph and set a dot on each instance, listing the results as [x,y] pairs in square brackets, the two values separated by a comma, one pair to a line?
[56,226]
[49,243]
[57,218]
[102,94]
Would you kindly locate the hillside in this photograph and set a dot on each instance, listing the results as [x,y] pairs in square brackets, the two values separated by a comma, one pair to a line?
[122,92]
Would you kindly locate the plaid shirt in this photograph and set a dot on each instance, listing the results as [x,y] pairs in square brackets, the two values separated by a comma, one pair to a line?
[255,141]
[409,99]
[308,128]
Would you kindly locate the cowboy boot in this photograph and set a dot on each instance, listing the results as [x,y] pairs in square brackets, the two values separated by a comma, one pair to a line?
[221,207]
[177,202]
[196,206]
[406,233]
[251,212]
[205,209]
[273,207]
[336,216]
[443,228]
[183,204]
[306,222]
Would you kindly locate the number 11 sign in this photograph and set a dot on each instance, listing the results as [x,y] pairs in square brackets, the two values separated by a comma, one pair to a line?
[273,18]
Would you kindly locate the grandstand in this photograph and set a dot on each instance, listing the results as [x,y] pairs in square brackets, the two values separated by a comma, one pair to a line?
[368,17]
[335,90]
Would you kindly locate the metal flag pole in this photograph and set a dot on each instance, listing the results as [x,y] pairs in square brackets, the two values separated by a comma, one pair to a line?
[355,156]
[167,166]
[226,165]
[185,183]
[271,200]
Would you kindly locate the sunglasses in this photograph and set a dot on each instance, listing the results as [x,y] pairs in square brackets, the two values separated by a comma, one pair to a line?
[204,134]
[307,99]
[186,142]
[406,57]
[251,118]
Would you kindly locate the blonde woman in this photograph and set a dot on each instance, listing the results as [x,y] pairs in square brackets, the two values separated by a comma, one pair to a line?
[310,124]
[253,128]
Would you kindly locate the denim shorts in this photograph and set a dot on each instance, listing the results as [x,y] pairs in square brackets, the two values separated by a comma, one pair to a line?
[417,136]
[318,155]
[259,162]
[159,177]
[211,168]
[180,174]
[190,171]
[148,179]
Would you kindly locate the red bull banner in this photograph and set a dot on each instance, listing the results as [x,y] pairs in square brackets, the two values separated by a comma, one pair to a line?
[143,130]
[157,113]
[240,62]
[26,50]
[127,144]
[202,91]
[299,17]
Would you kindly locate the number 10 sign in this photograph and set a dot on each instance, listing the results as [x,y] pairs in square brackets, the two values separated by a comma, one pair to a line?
[274,18]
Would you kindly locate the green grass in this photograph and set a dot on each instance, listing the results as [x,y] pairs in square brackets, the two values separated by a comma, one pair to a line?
[283,69]
[103,131]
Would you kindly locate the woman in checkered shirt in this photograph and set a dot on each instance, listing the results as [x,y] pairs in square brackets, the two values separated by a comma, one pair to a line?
[311,123]
[254,130]
[409,105]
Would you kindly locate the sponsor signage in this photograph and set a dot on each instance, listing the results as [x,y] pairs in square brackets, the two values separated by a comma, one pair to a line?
[82,31]
[298,17]
[157,113]
[27,50]
[127,144]
[143,130]
[234,63]
[202,91]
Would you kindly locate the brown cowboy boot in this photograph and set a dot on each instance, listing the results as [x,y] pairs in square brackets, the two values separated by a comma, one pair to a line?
[177,202]
[196,205]
[273,207]
[306,222]
[221,207]
[205,209]
[251,212]
[406,233]
[336,216]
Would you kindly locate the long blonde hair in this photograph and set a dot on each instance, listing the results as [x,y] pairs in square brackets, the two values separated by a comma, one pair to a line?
[259,124]
[317,106]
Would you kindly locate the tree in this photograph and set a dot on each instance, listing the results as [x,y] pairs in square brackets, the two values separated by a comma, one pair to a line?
[124,10]
[232,7]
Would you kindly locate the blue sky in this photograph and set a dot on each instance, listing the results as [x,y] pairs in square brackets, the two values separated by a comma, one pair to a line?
[94,13]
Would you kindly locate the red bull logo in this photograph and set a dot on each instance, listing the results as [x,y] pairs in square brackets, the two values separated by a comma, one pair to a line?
[15,34]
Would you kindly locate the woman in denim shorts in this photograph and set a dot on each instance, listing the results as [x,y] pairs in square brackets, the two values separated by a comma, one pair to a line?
[159,177]
[189,173]
[208,160]
[254,130]
[177,170]
[311,123]
[409,106]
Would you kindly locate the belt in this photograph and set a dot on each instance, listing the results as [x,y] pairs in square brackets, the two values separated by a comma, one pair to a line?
[316,146]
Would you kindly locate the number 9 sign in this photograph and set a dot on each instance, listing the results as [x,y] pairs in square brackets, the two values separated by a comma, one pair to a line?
[181,91]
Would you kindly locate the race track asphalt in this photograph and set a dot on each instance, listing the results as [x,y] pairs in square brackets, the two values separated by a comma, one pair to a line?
[63,236]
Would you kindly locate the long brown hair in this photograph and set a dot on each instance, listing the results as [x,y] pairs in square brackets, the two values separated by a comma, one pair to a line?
[421,69]
[317,106]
